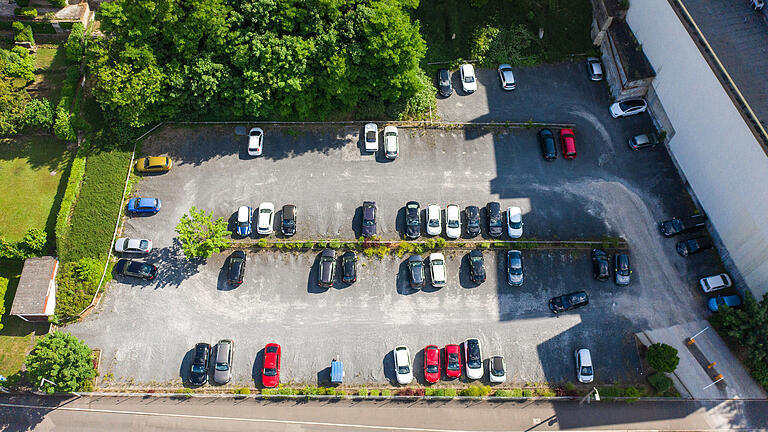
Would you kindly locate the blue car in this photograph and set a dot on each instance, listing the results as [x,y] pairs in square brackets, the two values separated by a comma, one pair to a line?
[144,205]
[732,301]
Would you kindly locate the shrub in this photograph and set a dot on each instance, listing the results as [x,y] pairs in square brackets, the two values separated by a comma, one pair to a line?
[440,242]
[242,391]
[311,391]
[386,392]
[330,391]
[527,393]
[569,386]
[419,104]
[77,283]
[62,127]
[76,173]
[38,114]
[335,244]
[476,390]
[34,241]
[373,392]
[485,245]
[493,45]
[663,357]
[262,243]
[309,245]
[18,63]
[451,392]
[545,392]
[341,393]
[660,382]
[3,288]
[26,12]
[287,391]
[269,391]
[23,33]
[507,393]
[632,393]
[362,392]
[62,359]
[58,3]
[9,250]
[429,243]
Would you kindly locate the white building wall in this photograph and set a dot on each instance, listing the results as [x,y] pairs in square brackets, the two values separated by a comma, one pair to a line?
[719,156]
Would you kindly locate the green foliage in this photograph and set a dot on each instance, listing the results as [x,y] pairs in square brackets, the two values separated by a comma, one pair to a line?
[18,63]
[3,288]
[362,392]
[330,391]
[23,33]
[373,392]
[485,245]
[25,12]
[22,3]
[624,4]
[527,393]
[311,391]
[62,126]
[309,245]
[493,46]
[262,243]
[43,27]
[38,114]
[34,241]
[242,391]
[200,235]
[60,358]
[58,3]
[514,393]
[476,390]
[76,173]
[77,282]
[444,392]
[75,44]
[569,386]
[386,392]
[545,392]
[616,391]
[335,244]
[663,357]
[341,393]
[660,382]
[418,106]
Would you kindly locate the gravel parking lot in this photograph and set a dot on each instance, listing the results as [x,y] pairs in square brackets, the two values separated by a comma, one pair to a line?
[606,190]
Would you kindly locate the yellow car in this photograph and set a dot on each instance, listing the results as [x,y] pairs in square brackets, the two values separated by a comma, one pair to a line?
[153,164]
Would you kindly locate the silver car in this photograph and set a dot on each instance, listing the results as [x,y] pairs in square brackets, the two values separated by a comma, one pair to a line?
[507,77]
[222,371]
[594,69]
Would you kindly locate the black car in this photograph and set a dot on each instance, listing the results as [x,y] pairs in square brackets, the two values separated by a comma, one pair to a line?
[676,226]
[477,266]
[495,224]
[694,245]
[444,85]
[369,219]
[547,142]
[198,372]
[137,269]
[349,267]
[621,269]
[473,221]
[416,271]
[515,268]
[412,220]
[327,268]
[600,265]
[288,227]
[568,302]
[642,141]
[236,267]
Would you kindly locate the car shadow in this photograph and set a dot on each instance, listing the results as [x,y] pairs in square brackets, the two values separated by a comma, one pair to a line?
[400,222]
[465,276]
[428,287]
[324,377]
[232,225]
[277,223]
[222,281]
[312,277]
[388,363]
[402,282]
[361,142]
[184,367]
[242,150]
[357,222]
[258,362]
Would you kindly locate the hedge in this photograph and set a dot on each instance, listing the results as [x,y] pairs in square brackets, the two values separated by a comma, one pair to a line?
[660,382]
[42,27]
[26,12]
[23,33]
[58,3]
[3,287]
[66,25]
[75,44]
[76,173]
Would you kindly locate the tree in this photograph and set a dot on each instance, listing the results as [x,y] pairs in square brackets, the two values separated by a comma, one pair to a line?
[13,102]
[200,235]
[749,326]
[663,357]
[18,63]
[38,113]
[63,359]
[75,44]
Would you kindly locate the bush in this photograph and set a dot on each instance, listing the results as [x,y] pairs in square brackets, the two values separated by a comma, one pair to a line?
[262,243]
[23,33]
[309,245]
[492,45]
[34,241]
[77,284]
[335,244]
[75,44]
[663,357]
[507,393]
[38,114]
[440,242]
[660,382]
[330,391]
[76,172]
[18,63]
[527,393]
[58,3]
[545,392]
[243,391]
[9,250]
[25,12]
[362,392]
[62,359]
[62,126]
[373,392]
[311,391]
[3,288]
[386,392]
[485,245]
[476,390]
[418,106]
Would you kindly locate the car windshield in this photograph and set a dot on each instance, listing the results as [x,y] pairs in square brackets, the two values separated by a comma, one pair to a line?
[390,134]
[473,223]
[453,362]
[516,225]
[433,369]
[222,367]
[236,260]
[434,222]
[146,269]
[143,244]
[676,224]
[368,222]
[413,221]
[270,371]
[370,136]
[326,259]
[469,79]
[586,370]
[566,302]
[243,224]
[515,270]
[453,223]
[416,265]
[198,369]
[495,222]
[630,104]
[497,372]
[437,262]
[265,211]
[255,133]
[477,259]
[403,369]
[288,222]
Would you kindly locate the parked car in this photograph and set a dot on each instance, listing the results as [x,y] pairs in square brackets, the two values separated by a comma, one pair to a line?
[327,268]
[628,107]
[757,5]
[693,246]
[621,269]
[514,268]
[137,269]
[452,221]
[477,266]
[731,301]
[244,216]
[432,363]
[391,142]
[568,302]
[468,80]
[369,219]
[497,372]
[255,141]
[416,271]
[495,224]
[444,85]
[128,245]
[144,205]
[412,220]
[506,77]
[222,371]
[434,226]
[371,137]
[594,69]
[716,282]
[547,143]
[473,221]
[349,267]
[266,218]
[677,226]
[452,361]
[198,371]
[288,225]
[270,373]
[236,267]
[437,269]
[474,359]
[568,143]
[584,371]
[153,164]
[403,367]
[514,222]
[600,268]
[641,141]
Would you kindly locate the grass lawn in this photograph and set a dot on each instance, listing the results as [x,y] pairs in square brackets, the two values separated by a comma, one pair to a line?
[31,170]
[51,63]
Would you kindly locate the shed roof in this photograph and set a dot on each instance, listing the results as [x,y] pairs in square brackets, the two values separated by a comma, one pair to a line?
[32,292]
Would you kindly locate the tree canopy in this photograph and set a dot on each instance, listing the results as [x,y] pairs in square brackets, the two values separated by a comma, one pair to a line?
[200,235]
[63,360]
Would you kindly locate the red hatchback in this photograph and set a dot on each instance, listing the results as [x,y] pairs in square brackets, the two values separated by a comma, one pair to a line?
[270,374]
[432,363]
[568,141]
[452,361]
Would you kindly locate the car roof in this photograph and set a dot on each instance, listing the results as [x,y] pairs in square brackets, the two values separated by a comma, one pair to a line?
[497,362]
[475,252]
[242,213]
[586,358]
[288,211]
[444,73]
[238,253]
[436,255]
[328,252]
[468,68]
[401,354]
[416,258]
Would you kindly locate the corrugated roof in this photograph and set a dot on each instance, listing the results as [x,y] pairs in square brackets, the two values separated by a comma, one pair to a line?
[32,291]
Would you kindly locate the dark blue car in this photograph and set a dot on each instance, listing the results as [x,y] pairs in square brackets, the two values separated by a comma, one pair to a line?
[144,205]
[732,301]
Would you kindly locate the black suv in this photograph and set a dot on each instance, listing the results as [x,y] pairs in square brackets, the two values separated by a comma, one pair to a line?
[677,226]
[444,85]
[327,268]
[477,266]
[349,267]
[416,271]
[495,224]
[236,267]
[568,302]
[137,269]
[473,221]
[547,142]
[694,245]
[600,267]
[198,372]
[369,219]
[412,220]
[288,227]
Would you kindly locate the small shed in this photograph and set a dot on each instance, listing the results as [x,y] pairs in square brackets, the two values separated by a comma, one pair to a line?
[35,298]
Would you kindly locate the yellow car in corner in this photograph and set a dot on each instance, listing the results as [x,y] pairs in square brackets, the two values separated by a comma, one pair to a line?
[153,164]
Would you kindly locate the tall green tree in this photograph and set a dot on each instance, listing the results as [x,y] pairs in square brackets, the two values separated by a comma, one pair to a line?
[200,235]
[63,360]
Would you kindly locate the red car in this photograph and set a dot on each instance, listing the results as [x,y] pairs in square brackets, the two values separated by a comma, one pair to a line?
[432,363]
[270,375]
[452,361]
[568,141]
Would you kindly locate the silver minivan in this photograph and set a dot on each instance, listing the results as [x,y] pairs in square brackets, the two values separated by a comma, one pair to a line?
[222,371]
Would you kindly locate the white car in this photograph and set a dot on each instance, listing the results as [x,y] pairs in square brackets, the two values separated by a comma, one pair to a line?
[128,245]
[507,77]
[452,221]
[371,137]
[434,226]
[468,79]
[584,370]
[391,143]
[403,366]
[266,218]
[497,372]
[473,359]
[714,283]
[255,141]
[514,222]
[628,107]
[437,269]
